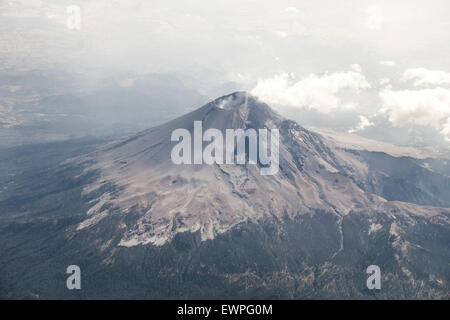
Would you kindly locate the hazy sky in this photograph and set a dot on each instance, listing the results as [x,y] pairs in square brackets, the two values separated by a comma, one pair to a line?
[371,61]
[248,37]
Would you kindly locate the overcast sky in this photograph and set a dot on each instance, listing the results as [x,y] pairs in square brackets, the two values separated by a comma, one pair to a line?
[365,61]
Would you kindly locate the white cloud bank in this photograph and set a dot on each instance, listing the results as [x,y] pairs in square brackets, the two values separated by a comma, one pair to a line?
[312,92]
[424,77]
[426,107]
[363,124]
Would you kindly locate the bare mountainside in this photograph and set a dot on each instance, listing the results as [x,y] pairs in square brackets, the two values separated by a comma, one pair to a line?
[169,198]
[144,227]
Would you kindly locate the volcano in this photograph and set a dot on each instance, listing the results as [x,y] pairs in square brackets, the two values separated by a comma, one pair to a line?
[156,229]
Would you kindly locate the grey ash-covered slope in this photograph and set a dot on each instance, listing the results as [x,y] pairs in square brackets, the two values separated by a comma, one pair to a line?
[145,228]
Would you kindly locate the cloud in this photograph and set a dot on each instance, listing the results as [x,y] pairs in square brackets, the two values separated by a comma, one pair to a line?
[363,123]
[312,92]
[374,17]
[424,77]
[426,107]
